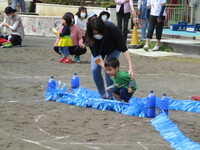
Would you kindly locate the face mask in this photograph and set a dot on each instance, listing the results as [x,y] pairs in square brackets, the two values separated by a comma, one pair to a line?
[98,36]
[83,15]
[104,17]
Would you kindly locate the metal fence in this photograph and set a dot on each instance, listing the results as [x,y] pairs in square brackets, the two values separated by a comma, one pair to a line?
[177,13]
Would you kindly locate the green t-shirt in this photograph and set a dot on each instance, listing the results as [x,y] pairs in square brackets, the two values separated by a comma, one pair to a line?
[123,80]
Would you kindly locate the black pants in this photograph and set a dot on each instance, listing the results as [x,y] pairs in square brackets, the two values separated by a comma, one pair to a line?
[15,40]
[123,18]
[153,23]
[74,50]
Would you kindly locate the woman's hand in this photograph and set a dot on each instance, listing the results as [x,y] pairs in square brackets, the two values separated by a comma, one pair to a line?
[131,73]
[5,24]
[82,45]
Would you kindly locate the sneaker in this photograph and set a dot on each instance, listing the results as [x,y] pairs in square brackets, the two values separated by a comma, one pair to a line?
[66,61]
[146,47]
[77,59]
[156,48]
[62,60]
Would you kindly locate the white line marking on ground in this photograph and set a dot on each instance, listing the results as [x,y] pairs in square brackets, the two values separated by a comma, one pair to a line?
[29,141]
[38,143]
[12,101]
[94,147]
[139,143]
[41,77]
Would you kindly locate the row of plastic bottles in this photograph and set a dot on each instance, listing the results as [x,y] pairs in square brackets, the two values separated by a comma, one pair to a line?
[75,82]
[151,105]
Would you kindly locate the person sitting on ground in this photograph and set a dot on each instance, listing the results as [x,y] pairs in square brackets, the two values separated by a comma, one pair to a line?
[124,87]
[104,15]
[13,23]
[78,47]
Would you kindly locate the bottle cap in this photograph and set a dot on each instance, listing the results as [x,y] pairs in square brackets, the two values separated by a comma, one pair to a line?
[75,73]
[151,91]
[164,94]
[52,77]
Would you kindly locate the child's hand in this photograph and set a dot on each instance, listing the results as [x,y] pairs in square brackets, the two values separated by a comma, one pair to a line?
[130,90]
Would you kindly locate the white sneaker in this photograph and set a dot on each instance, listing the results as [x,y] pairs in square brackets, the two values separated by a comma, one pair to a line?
[146,47]
[156,48]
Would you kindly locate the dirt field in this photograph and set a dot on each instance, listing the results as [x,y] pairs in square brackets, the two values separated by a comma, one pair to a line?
[27,122]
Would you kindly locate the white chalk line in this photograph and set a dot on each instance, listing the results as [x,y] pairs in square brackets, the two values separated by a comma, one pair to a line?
[29,141]
[42,77]
[139,143]
[39,117]
[107,144]
[30,101]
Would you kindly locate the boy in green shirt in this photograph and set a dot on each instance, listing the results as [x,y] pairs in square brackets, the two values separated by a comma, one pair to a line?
[123,87]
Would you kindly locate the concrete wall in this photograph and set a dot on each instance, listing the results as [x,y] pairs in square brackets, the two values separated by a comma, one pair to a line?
[40,25]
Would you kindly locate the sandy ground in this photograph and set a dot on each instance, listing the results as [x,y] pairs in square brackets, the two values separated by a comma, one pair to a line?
[27,122]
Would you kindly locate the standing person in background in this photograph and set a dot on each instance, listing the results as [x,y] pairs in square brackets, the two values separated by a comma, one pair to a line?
[123,9]
[156,14]
[81,22]
[142,13]
[21,2]
[15,29]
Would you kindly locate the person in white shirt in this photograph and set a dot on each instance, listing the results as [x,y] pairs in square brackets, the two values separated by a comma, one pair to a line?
[81,19]
[156,14]
[81,22]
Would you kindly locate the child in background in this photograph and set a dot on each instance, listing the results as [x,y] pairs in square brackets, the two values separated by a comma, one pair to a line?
[142,13]
[65,41]
[124,87]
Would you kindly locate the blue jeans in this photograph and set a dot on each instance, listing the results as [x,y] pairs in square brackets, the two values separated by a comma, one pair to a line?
[97,76]
[144,28]
[123,93]
[64,50]
[22,4]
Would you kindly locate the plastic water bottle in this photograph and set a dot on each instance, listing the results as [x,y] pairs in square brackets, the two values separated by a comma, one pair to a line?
[51,83]
[164,104]
[151,105]
[75,82]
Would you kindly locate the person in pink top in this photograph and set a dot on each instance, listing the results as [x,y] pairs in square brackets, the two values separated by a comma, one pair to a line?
[123,9]
[78,47]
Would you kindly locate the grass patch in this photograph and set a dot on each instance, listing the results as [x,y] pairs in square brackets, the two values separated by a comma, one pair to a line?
[181,59]
[163,47]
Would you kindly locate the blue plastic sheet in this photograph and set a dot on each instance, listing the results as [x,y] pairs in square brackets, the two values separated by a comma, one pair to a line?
[170,132]
[83,97]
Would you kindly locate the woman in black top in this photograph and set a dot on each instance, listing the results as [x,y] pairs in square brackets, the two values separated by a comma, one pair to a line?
[105,40]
